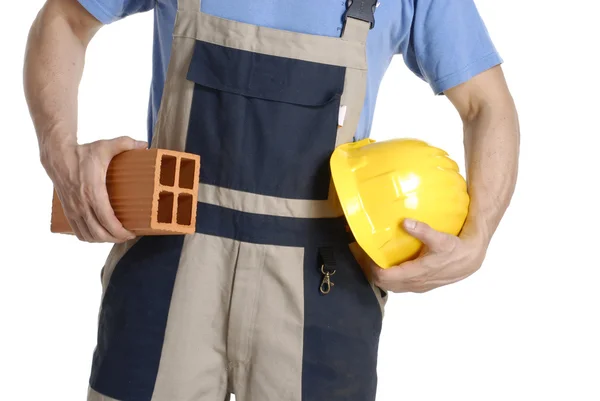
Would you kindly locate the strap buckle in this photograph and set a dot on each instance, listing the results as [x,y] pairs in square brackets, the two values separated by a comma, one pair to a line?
[363,10]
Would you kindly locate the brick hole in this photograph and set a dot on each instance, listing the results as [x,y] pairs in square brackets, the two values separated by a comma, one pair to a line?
[184,209]
[168,166]
[165,207]
[187,172]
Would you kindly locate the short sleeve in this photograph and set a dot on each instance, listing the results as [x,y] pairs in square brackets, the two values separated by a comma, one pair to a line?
[109,11]
[449,43]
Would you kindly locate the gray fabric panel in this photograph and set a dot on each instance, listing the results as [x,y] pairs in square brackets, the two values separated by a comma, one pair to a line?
[261,204]
[269,341]
[189,5]
[353,98]
[193,357]
[174,114]
[356,31]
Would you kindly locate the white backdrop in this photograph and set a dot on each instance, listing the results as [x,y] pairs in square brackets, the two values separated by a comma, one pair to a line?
[526,327]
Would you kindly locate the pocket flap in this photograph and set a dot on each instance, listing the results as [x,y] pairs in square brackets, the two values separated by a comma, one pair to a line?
[264,76]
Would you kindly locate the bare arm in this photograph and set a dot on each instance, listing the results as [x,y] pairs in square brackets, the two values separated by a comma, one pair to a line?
[54,62]
[491,138]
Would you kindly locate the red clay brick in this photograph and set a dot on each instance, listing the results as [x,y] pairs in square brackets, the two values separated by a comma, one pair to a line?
[152,191]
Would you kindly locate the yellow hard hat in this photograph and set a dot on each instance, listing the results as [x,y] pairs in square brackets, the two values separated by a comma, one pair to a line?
[379,184]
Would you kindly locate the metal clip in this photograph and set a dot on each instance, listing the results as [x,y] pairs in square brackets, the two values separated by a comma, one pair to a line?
[326,284]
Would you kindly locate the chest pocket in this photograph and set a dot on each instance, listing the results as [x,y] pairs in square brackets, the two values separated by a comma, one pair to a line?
[263,124]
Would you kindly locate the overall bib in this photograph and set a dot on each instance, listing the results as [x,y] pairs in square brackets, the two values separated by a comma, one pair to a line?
[266,300]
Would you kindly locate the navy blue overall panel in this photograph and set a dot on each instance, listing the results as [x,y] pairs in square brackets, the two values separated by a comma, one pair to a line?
[270,230]
[133,319]
[263,124]
[341,331]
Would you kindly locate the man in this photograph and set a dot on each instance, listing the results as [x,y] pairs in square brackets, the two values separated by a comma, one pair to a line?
[257,88]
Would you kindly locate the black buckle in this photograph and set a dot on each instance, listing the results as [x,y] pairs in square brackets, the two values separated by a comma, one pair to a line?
[363,10]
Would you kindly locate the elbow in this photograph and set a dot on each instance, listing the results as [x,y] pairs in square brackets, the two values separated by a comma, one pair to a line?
[69,14]
[491,111]
[476,108]
[83,24]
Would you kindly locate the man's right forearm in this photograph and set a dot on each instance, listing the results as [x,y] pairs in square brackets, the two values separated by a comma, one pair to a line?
[54,62]
[53,68]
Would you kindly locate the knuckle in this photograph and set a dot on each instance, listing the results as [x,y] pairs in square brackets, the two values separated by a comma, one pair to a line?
[88,192]
[98,236]
[76,217]
[125,141]
[72,214]
[379,278]
[416,281]
[448,242]
[421,226]
[99,145]
[378,281]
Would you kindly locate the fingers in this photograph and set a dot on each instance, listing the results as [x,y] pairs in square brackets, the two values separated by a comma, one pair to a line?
[100,202]
[406,278]
[106,217]
[435,240]
[87,227]
[100,217]
[80,230]
[97,230]
[81,186]
[122,144]
[435,266]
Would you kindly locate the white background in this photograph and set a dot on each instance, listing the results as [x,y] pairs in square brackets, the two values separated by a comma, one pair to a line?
[526,327]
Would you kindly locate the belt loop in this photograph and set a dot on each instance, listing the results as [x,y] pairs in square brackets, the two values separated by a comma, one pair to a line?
[189,5]
[327,258]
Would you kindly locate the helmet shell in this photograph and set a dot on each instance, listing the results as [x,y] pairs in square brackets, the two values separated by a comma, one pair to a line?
[379,184]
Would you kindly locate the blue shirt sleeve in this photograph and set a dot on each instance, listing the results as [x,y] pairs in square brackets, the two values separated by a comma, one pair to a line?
[448,44]
[109,11]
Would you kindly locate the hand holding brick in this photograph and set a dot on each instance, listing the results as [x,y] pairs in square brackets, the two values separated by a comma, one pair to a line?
[152,192]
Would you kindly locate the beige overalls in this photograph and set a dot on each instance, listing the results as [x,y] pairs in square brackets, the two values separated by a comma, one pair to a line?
[265,300]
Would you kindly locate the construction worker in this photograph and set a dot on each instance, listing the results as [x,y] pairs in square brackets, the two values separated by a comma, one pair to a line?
[264,91]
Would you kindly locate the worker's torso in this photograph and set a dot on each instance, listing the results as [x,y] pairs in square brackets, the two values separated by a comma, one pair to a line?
[318,17]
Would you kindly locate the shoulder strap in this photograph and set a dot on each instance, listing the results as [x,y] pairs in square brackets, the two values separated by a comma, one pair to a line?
[188,5]
[359,19]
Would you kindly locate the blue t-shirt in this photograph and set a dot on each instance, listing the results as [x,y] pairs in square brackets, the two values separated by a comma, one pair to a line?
[443,42]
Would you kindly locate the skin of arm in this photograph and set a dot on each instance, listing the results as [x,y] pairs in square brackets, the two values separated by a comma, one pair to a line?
[53,68]
[492,142]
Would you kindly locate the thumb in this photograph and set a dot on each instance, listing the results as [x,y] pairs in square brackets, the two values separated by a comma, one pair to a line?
[424,233]
[123,144]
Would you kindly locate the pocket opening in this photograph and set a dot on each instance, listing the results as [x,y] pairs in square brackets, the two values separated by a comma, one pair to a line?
[265,77]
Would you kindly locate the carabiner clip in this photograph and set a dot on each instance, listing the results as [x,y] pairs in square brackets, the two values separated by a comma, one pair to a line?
[326,283]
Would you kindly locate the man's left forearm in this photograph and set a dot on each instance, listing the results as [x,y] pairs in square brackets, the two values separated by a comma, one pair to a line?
[491,138]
